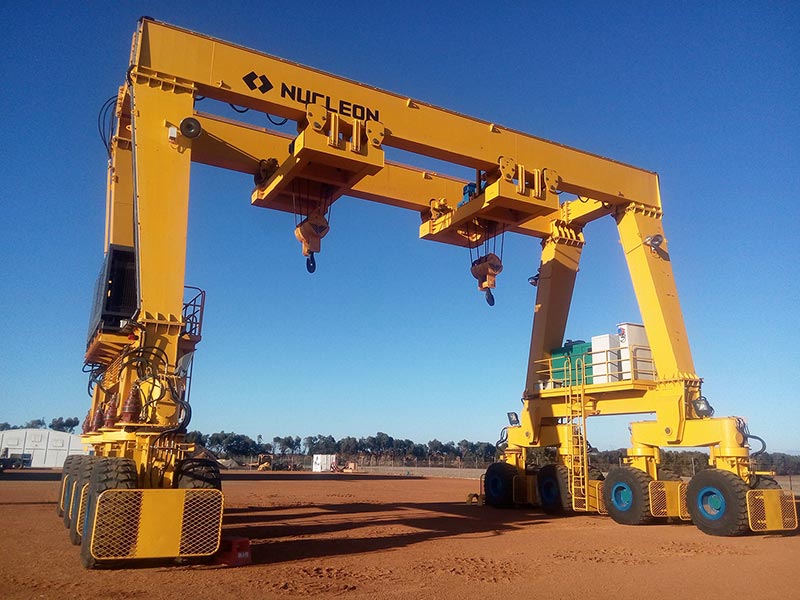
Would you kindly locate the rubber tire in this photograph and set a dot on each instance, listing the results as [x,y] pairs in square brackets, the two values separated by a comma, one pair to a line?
[665,474]
[108,473]
[764,482]
[717,502]
[83,477]
[69,480]
[197,473]
[64,469]
[596,474]
[552,483]
[626,494]
[498,485]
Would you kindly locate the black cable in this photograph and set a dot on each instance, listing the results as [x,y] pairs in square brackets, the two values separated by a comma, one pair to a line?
[106,118]
[503,438]
[763,445]
[278,124]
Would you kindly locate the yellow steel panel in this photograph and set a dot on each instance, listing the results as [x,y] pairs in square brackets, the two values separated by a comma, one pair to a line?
[524,489]
[594,497]
[120,218]
[220,70]
[771,510]
[561,253]
[667,498]
[156,523]
[160,522]
[656,293]
[162,196]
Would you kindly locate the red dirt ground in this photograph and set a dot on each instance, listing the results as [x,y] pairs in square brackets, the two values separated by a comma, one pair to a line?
[365,536]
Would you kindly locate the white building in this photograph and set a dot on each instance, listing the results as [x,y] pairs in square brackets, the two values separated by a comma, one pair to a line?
[47,448]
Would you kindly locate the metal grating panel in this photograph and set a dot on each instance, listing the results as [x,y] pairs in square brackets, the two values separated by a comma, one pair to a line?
[116,524]
[202,522]
[658,499]
[684,507]
[594,496]
[771,510]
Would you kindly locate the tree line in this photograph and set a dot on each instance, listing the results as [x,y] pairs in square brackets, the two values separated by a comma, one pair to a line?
[378,449]
[383,449]
[67,425]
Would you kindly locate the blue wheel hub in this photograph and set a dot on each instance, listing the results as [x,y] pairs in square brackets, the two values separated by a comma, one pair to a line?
[711,503]
[621,496]
[549,491]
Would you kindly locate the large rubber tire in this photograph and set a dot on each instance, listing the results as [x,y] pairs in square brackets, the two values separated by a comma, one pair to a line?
[109,473]
[717,502]
[197,473]
[64,469]
[75,516]
[498,484]
[596,474]
[555,497]
[626,494]
[764,482]
[665,474]
[69,481]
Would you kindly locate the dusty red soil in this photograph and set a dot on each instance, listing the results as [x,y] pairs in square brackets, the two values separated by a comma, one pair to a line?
[361,536]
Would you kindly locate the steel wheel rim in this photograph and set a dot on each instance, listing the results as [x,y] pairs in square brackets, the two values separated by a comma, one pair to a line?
[621,496]
[711,503]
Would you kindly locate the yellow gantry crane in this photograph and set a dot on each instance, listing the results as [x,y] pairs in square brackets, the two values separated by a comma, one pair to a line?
[144,495]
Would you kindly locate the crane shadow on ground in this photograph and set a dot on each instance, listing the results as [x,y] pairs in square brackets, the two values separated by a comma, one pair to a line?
[280,534]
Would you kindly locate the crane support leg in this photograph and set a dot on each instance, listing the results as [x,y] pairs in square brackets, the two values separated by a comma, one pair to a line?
[642,236]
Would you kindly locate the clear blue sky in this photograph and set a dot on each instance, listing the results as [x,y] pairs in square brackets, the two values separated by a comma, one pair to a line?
[390,333]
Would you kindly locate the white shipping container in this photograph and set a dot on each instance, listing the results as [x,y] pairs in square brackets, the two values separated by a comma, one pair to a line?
[322,463]
[605,358]
[633,345]
[47,448]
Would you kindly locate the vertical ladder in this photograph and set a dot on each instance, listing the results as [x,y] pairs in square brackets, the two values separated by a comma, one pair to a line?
[578,467]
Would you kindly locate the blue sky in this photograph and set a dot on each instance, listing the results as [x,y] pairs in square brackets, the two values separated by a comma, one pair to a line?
[390,333]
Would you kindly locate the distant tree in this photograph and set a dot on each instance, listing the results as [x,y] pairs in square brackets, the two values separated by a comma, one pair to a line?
[195,437]
[5,426]
[216,442]
[310,444]
[35,424]
[348,446]
[435,447]
[62,424]
[237,444]
[326,444]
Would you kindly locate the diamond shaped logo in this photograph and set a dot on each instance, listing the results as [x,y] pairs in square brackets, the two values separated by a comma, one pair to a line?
[257,82]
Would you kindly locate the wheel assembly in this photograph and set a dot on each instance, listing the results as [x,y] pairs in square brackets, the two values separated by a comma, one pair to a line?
[626,494]
[197,473]
[552,481]
[107,474]
[717,502]
[499,484]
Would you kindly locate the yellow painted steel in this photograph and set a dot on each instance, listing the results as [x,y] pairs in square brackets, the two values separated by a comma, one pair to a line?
[219,68]
[594,497]
[156,523]
[668,499]
[771,510]
[524,490]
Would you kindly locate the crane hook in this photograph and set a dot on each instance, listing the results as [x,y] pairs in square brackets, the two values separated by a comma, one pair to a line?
[311,263]
[489,297]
